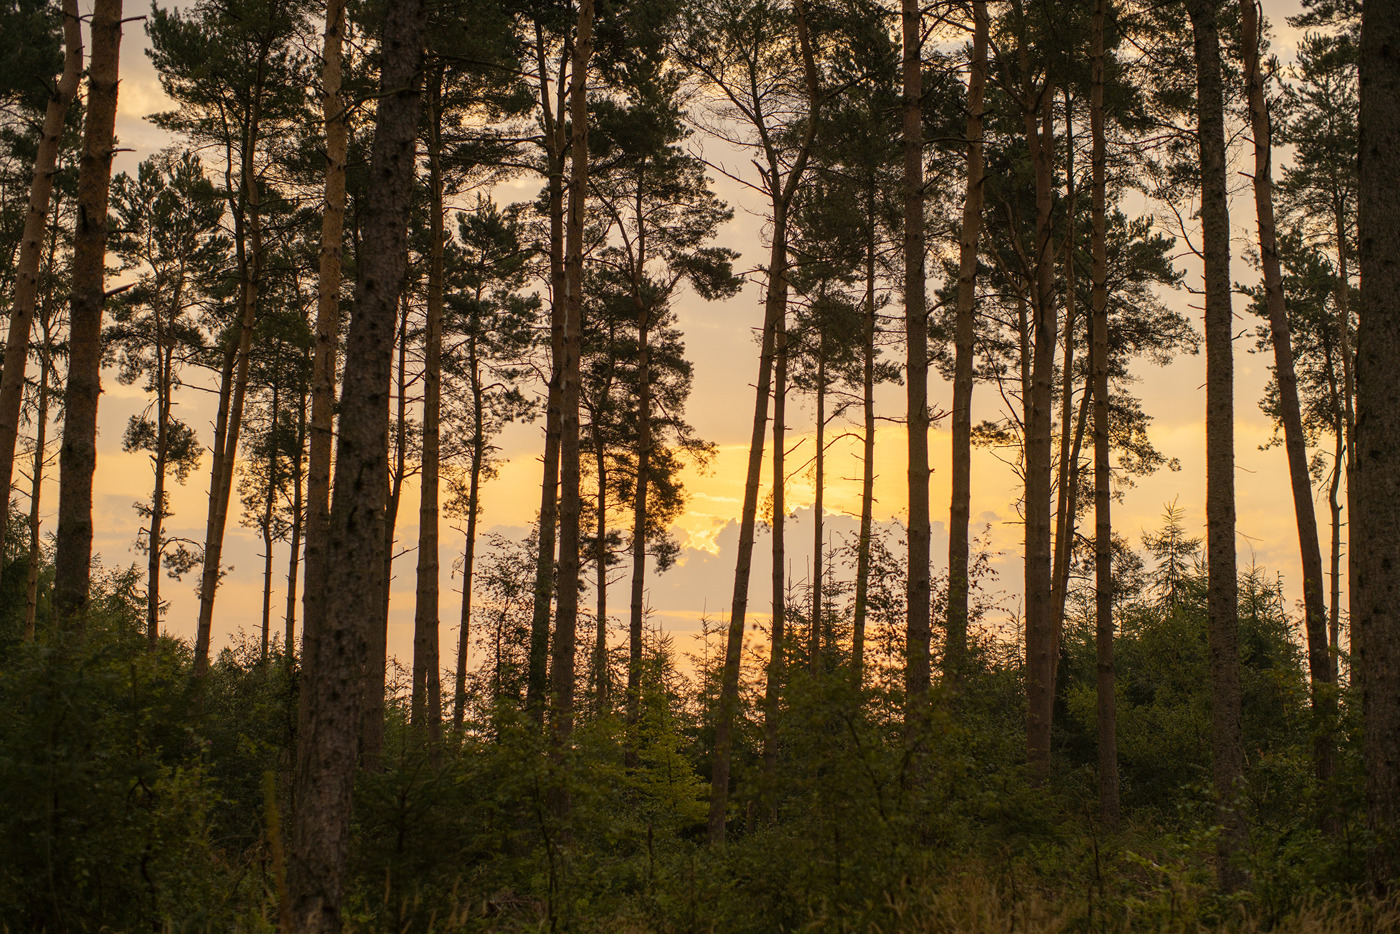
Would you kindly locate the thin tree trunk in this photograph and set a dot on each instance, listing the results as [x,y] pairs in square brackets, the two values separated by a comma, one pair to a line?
[639,522]
[570,503]
[1290,412]
[318,455]
[1067,474]
[814,636]
[41,426]
[1103,477]
[78,457]
[334,651]
[777,647]
[298,521]
[26,295]
[1222,589]
[919,592]
[270,494]
[775,304]
[960,512]
[469,550]
[426,704]
[153,532]
[600,640]
[867,482]
[1375,547]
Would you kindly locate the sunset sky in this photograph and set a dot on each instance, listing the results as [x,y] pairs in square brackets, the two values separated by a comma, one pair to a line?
[719,338]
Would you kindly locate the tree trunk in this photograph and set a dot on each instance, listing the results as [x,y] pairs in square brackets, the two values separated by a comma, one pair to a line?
[426,703]
[777,647]
[570,503]
[775,305]
[334,651]
[919,593]
[41,426]
[269,501]
[26,296]
[960,512]
[153,532]
[1103,476]
[1376,520]
[1290,412]
[298,504]
[78,457]
[867,482]
[536,683]
[318,455]
[814,635]
[639,522]
[1222,591]
[1067,473]
[1038,110]
[225,454]
[600,640]
[469,550]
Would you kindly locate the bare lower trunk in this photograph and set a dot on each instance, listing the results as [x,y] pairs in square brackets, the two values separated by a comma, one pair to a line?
[1290,411]
[41,427]
[775,305]
[153,532]
[639,523]
[1222,593]
[960,512]
[426,703]
[318,455]
[570,503]
[334,651]
[1107,715]
[1376,519]
[919,589]
[289,645]
[269,501]
[1040,624]
[777,645]
[867,482]
[600,635]
[814,635]
[78,458]
[26,295]
[469,549]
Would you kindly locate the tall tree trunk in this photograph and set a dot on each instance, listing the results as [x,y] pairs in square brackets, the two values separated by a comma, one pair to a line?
[78,457]
[920,584]
[426,703]
[774,308]
[960,512]
[26,296]
[778,638]
[269,501]
[289,646]
[1103,477]
[318,456]
[639,521]
[1067,472]
[570,502]
[334,651]
[814,635]
[536,683]
[1038,109]
[469,549]
[1376,520]
[41,426]
[376,666]
[600,634]
[1290,412]
[153,532]
[1222,590]
[248,214]
[867,480]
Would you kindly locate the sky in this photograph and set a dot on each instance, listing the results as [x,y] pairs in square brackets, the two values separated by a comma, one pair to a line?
[720,341]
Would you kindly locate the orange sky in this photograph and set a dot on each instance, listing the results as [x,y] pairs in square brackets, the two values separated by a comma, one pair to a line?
[720,344]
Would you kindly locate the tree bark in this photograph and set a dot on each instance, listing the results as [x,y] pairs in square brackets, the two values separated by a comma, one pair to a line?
[960,511]
[778,638]
[919,585]
[322,439]
[1375,552]
[78,457]
[639,520]
[334,652]
[289,645]
[1290,411]
[1222,590]
[426,703]
[570,503]
[775,305]
[469,549]
[41,425]
[1107,715]
[867,481]
[814,634]
[26,296]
